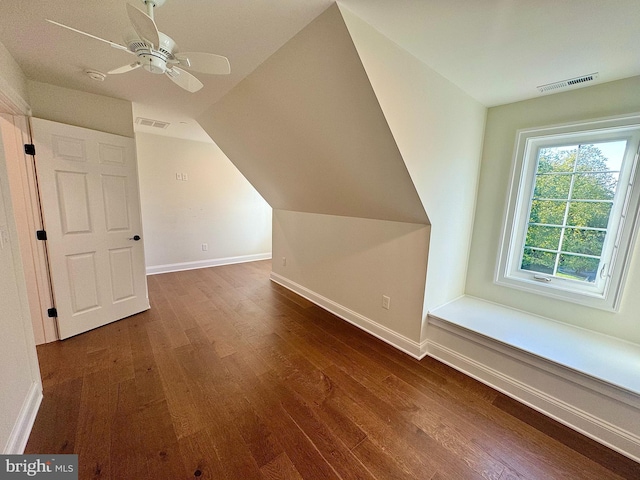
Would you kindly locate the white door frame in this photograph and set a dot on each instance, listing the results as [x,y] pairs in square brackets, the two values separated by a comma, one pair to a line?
[24,193]
[26,206]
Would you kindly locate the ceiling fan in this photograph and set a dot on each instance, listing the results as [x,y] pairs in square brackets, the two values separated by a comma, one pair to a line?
[158,53]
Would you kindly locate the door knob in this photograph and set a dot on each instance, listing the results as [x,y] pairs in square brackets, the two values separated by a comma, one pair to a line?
[135,237]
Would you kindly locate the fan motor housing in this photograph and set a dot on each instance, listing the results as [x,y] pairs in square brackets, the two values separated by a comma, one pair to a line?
[153,63]
[153,60]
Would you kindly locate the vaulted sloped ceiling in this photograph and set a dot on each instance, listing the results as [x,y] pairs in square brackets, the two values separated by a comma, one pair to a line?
[306,130]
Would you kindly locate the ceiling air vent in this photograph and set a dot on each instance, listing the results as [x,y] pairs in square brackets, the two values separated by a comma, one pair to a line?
[567,83]
[147,122]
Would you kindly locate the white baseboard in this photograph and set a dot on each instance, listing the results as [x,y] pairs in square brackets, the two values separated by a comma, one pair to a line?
[24,423]
[602,412]
[408,346]
[214,262]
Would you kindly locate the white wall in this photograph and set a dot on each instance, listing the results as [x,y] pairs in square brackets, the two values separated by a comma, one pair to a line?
[353,262]
[438,129]
[216,206]
[603,100]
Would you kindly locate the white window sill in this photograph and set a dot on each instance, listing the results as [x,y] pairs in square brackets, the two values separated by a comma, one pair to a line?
[605,358]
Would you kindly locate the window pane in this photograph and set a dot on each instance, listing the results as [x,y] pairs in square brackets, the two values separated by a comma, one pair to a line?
[578,268]
[595,186]
[589,214]
[538,261]
[547,212]
[552,186]
[557,159]
[587,242]
[543,237]
[601,157]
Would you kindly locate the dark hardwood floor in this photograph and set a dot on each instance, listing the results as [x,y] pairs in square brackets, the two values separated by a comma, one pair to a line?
[230,376]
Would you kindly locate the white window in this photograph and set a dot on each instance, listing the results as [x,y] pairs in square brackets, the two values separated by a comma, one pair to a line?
[572,213]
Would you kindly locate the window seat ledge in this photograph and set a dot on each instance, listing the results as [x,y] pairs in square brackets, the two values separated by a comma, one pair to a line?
[601,357]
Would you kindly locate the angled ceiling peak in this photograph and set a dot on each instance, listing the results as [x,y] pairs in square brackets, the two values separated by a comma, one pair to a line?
[307,131]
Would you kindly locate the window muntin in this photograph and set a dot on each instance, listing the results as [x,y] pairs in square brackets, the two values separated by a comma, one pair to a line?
[570,210]
[573,205]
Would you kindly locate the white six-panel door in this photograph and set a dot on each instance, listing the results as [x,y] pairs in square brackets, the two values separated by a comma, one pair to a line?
[88,184]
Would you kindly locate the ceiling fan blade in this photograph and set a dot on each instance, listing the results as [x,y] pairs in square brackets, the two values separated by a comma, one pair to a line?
[205,62]
[124,68]
[114,45]
[144,25]
[184,79]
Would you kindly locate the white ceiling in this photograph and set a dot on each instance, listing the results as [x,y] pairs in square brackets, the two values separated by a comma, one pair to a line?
[497,51]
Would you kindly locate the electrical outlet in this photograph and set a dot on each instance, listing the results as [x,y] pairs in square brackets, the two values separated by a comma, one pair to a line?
[205,247]
[386,302]
[185,177]
[284,261]
[178,176]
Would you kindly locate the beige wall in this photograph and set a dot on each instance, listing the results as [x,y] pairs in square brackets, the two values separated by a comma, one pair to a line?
[306,129]
[216,205]
[608,99]
[82,109]
[439,130]
[354,261]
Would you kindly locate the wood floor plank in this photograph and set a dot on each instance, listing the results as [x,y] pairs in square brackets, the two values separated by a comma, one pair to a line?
[404,438]
[330,446]
[128,457]
[199,457]
[160,441]
[312,385]
[93,436]
[230,376]
[459,386]
[265,402]
[234,451]
[280,468]
[380,463]
[55,426]
[589,448]
[120,354]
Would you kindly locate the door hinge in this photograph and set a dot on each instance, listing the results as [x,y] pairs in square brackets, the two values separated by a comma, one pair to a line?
[29,149]
[52,312]
[41,234]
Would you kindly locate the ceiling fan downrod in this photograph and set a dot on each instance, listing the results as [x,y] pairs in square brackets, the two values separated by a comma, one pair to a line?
[150,4]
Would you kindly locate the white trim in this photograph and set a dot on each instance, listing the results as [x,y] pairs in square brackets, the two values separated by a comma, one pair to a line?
[607,413]
[10,101]
[402,343]
[214,262]
[598,359]
[24,423]
[26,200]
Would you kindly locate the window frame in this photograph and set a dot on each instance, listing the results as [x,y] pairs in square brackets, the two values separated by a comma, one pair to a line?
[604,294]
